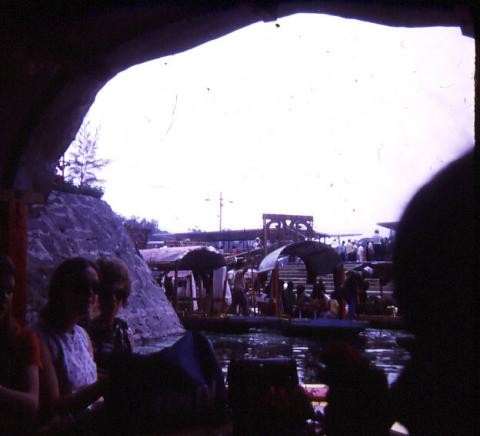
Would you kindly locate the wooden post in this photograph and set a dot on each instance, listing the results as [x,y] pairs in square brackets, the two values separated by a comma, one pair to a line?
[175,290]
[14,241]
[254,292]
[264,236]
[276,291]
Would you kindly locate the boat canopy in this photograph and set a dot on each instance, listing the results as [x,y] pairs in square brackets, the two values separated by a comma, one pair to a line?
[202,260]
[192,257]
[319,259]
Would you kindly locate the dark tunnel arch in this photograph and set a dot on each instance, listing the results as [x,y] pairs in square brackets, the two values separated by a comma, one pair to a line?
[55,79]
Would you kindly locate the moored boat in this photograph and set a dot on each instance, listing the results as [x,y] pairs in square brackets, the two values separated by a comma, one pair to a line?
[320,327]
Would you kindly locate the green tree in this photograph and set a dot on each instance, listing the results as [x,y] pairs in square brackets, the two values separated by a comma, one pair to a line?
[83,164]
[140,230]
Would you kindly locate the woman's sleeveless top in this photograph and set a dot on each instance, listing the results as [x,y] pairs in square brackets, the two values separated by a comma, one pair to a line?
[71,356]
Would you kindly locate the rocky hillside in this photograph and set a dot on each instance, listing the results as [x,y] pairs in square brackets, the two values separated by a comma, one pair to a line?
[77,225]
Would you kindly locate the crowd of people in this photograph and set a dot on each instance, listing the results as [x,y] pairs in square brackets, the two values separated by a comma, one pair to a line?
[347,300]
[376,248]
[343,303]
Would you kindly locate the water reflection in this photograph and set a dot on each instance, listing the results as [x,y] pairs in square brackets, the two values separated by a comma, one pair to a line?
[379,346]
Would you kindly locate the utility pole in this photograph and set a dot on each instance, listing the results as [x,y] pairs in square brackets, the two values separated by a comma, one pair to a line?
[220,215]
[220,204]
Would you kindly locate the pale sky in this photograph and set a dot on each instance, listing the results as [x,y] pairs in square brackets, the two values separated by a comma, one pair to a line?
[323,116]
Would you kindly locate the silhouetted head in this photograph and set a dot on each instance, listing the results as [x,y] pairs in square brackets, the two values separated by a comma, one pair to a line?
[435,258]
[435,263]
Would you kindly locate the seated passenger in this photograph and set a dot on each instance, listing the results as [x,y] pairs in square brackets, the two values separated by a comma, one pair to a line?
[109,333]
[68,380]
[350,290]
[334,310]
[302,300]
[19,362]
[320,300]
[176,383]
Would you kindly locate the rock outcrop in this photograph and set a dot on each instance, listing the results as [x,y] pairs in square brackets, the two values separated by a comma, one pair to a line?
[77,225]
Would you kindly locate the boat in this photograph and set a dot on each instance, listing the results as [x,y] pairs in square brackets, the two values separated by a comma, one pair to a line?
[320,327]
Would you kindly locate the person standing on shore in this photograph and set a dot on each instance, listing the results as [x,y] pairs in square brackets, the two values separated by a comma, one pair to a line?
[360,253]
[342,251]
[349,251]
[370,251]
[377,245]
[239,297]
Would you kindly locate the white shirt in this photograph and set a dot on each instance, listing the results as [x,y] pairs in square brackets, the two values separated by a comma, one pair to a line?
[376,239]
[71,357]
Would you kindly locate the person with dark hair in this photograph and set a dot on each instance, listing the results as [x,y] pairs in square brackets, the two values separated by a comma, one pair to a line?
[239,297]
[109,333]
[342,251]
[353,286]
[301,300]
[169,288]
[435,260]
[349,252]
[370,251]
[19,362]
[377,245]
[68,380]
[320,300]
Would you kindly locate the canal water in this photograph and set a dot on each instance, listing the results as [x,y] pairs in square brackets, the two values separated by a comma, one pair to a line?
[379,346]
